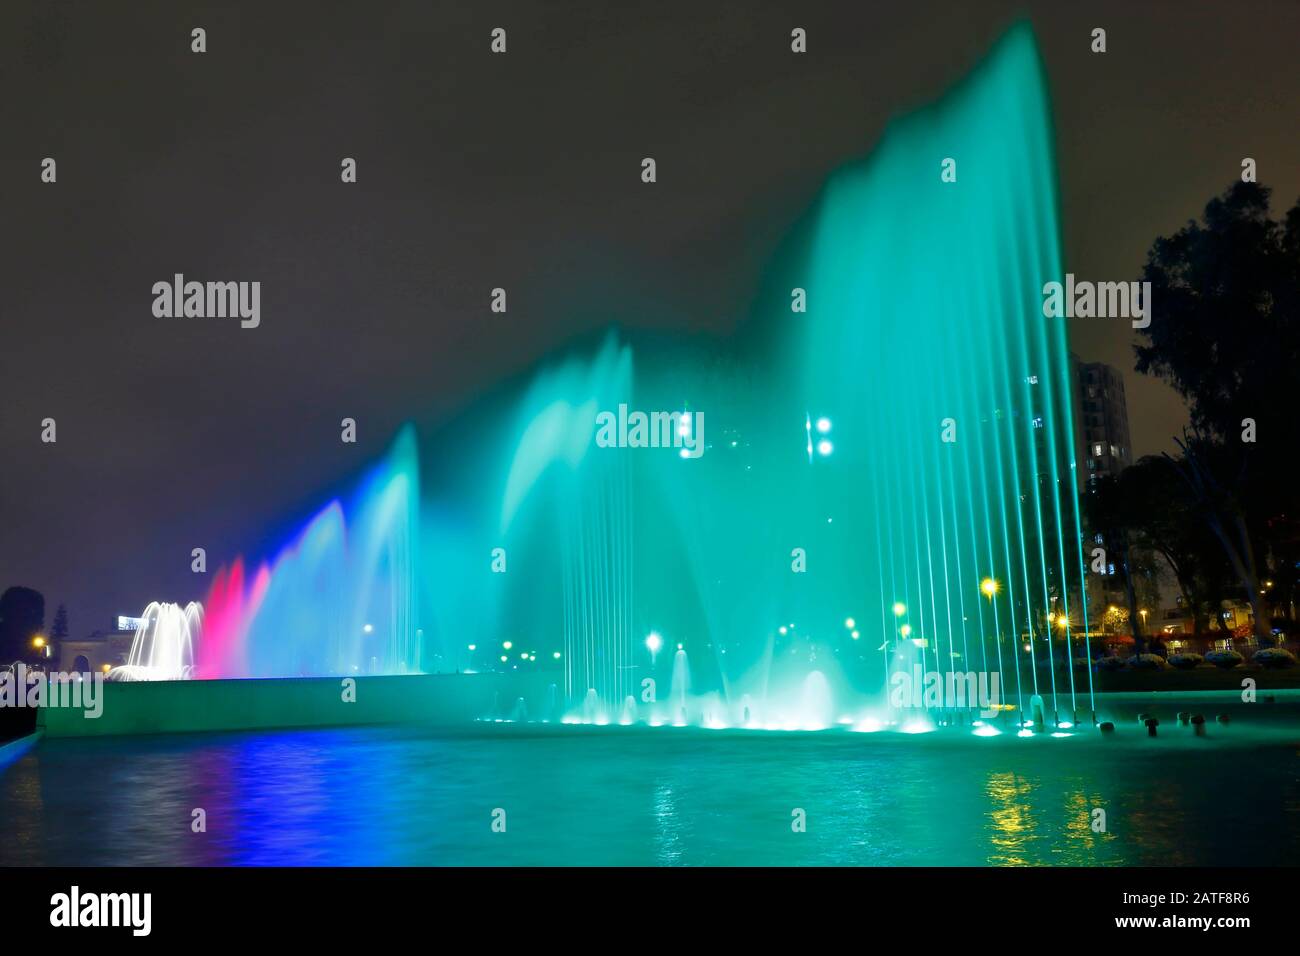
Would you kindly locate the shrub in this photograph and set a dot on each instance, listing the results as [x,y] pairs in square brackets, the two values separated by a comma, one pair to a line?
[1275,657]
[1109,663]
[1187,662]
[1225,659]
[1147,662]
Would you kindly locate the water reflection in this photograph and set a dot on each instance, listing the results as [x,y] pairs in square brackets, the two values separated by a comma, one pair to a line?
[388,796]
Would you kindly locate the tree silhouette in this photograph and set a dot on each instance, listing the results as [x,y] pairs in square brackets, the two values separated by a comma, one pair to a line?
[1225,333]
[22,616]
[59,628]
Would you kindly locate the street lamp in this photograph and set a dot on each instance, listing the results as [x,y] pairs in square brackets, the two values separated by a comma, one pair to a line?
[989,587]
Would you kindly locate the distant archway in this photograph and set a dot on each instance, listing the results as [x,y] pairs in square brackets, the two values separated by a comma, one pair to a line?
[81,665]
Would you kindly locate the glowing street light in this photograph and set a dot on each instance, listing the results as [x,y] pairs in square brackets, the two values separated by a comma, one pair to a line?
[849,623]
[654,643]
[38,642]
[990,588]
[899,609]
[905,630]
[507,644]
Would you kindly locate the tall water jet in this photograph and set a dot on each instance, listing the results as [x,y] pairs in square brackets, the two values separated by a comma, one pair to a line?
[680,687]
[561,493]
[816,706]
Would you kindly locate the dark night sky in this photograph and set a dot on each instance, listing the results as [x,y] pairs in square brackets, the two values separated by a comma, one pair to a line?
[479,171]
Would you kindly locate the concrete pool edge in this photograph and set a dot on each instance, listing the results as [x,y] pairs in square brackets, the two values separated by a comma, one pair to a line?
[160,707]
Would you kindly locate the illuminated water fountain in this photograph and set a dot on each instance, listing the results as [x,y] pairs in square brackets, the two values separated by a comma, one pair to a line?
[884,490]
[163,646]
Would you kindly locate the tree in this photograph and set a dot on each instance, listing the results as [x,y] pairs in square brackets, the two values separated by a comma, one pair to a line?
[1110,511]
[1225,330]
[22,616]
[59,629]
[1164,520]
[1225,333]
[1226,518]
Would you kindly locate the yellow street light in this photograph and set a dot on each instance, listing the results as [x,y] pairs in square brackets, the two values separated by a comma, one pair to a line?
[989,587]
[899,609]
[38,642]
